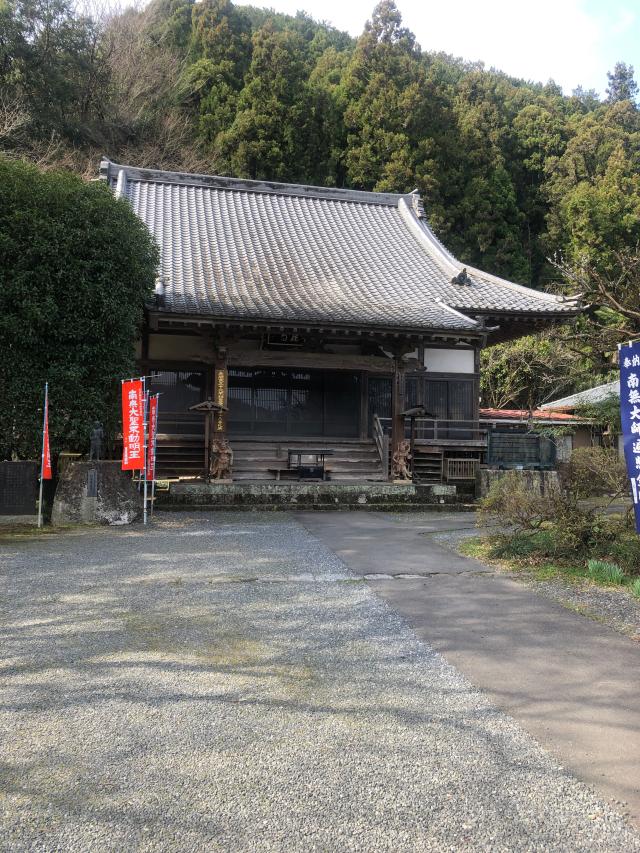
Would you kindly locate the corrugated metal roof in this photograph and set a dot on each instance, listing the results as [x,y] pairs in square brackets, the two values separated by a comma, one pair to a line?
[278,252]
[587,397]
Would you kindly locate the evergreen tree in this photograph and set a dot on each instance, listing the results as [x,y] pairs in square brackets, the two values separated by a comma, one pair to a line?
[219,54]
[270,134]
[622,85]
[383,89]
[593,187]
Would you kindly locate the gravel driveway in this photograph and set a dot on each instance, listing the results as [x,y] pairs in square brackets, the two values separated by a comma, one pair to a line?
[223,682]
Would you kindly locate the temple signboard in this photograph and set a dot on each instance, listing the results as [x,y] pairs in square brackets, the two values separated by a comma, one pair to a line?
[630,418]
[220,398]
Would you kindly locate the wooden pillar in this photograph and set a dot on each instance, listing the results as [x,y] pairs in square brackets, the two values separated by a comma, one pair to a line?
[397,404]
[476,387]
[220,393]
[364,405]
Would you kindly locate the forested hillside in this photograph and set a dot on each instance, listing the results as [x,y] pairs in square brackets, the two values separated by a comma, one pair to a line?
[512,173]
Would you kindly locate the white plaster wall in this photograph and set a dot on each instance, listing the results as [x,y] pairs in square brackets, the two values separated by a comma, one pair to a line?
[449,360]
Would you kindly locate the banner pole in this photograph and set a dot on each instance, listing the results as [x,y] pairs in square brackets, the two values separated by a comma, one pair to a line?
[44,427]
[145,443]
[155,443]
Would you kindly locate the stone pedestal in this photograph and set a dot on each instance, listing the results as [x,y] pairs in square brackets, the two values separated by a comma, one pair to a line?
[96,493]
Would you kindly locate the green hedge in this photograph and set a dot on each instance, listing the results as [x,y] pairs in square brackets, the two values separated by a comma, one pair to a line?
[76,265]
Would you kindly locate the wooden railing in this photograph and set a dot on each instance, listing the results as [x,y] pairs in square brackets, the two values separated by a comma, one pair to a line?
[381,438]
[461,469]
[439,430]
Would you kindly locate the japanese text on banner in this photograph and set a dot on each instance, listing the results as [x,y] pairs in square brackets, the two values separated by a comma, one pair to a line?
[47,473]
[153,428]
[132,426]
[630,418]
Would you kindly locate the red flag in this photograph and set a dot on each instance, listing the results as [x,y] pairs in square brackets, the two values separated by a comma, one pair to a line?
[45,470]
[153,428]
[132,425]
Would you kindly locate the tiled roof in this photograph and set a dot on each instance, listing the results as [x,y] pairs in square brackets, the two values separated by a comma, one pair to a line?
[586,398]
[284,253]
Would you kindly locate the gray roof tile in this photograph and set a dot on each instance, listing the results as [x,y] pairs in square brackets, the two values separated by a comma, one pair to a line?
[590,396]
[277,252]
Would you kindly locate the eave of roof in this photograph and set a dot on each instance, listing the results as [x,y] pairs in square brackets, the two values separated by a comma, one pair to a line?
[162,318]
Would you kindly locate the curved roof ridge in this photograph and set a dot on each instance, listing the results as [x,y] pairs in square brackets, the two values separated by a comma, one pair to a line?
[109,171]
[427,236]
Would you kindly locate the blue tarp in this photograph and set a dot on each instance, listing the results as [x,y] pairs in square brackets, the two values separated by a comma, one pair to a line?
[630,415]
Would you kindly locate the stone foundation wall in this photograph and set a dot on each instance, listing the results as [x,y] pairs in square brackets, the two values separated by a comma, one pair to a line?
[306,496]
[537,482]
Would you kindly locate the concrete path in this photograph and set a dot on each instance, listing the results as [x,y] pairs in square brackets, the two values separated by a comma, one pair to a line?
[570,682]
[226,683]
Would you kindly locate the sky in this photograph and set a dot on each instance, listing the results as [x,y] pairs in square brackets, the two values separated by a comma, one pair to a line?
[574,42]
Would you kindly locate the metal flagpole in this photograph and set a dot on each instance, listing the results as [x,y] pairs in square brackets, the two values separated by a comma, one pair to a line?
[145,405]
[44,427]
[155,443]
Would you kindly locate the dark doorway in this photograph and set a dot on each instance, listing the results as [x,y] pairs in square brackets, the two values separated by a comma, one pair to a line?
[178,389]
[379,399]
[268,401]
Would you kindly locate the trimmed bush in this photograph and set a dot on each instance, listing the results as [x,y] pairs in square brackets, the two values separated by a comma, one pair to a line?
[593,471]
[76,265]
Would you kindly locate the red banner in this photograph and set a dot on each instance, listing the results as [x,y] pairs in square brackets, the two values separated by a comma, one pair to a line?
[47,474]
[153,428]
[132,426]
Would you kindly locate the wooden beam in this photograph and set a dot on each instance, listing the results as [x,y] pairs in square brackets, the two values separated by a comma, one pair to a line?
[310,360]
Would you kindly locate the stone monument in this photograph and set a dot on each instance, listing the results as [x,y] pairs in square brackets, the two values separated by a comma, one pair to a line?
[96,492]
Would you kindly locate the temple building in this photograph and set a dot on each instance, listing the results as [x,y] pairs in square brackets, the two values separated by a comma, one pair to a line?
[316,317]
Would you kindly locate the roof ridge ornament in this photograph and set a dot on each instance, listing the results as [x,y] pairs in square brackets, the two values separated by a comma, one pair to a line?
[416,204]
[461,277]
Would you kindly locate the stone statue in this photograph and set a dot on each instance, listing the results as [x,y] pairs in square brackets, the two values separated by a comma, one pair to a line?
[97,438]
[221,460]
[401,461]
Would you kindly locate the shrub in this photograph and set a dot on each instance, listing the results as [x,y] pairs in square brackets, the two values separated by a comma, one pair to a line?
[511,502]
[604,572]
[539,543]
[625,549]
[595,471]
[635,587]
[555,524]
